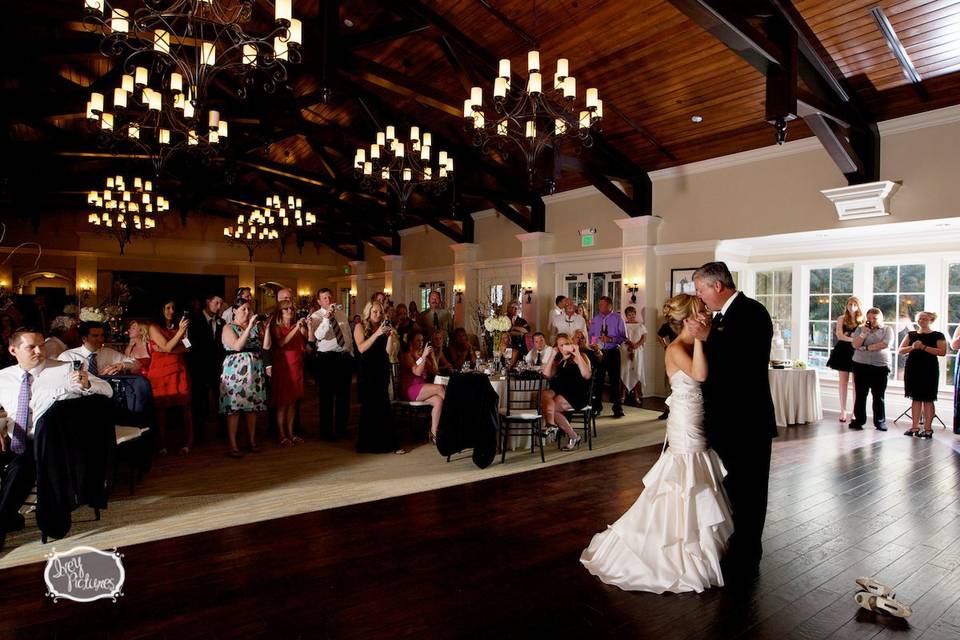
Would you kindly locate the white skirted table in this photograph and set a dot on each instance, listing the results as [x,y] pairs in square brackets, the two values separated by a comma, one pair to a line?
[796,396]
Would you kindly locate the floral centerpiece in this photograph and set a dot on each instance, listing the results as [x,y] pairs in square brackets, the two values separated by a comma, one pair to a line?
[92,314]
[492,324]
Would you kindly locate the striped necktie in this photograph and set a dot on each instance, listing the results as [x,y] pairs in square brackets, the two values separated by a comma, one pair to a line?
[18,439]
[335,327]
[92,368]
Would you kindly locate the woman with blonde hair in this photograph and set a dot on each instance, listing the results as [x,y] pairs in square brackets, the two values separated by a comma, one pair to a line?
[841,358]
[286,384]
[139,334]
[921,374]
[669,541]
[374,340]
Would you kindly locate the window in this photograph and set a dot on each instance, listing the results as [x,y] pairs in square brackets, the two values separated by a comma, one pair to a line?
[345,302]
[829,290]
[898,291]
[426,288]
[775,292]
[496,294]
[952,319]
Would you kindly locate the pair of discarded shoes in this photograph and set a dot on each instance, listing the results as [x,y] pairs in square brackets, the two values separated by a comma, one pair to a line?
[878,597]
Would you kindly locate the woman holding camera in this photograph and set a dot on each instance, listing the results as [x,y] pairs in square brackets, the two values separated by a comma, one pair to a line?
[871,366]
[921,374]
[289,338]
[168,372]
[374,338]
[569,373]
[415,366]
[243,384]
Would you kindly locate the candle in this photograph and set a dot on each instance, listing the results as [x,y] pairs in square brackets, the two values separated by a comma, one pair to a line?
[476,96]
[533,61]
[381,139]
[570,87]
[223,129]
[505,68]
[533,85]
[283,10]
[213,119]
[296,32]
[250,55]
[391,132]
[208,54]
[559,127]
[119,98]
[467,108]
[591,97]
[161,41]
[563,67]
[531,129]
[118,21]
[176,82]
[502,127]
[126,83]
[424,153]
[415,133]
[140,76]
[407,175]
[427,140]
[499,88]
[106,121]
[96,102]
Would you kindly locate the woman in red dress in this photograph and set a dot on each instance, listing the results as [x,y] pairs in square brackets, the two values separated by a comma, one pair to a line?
[168,373]
[286,383]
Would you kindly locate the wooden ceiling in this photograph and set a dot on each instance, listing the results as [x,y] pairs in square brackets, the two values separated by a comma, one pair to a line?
[820,65]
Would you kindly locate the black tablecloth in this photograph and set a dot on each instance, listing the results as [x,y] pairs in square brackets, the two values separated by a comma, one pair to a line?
[469,418]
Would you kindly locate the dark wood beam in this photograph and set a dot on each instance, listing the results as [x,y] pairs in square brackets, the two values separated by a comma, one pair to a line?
[386,78]
[841,151]
[528,39]
[508,211]
[463,72]
[780,105]
[383,34]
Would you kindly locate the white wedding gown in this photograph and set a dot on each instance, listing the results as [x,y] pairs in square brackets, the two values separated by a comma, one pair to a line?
[673,536]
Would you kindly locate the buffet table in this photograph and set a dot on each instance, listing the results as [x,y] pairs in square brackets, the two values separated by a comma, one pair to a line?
[796,396]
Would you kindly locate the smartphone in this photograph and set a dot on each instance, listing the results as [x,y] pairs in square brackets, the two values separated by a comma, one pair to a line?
[76,364]
[302,313]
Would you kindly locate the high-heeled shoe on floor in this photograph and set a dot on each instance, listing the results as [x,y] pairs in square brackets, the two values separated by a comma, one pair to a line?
[882,604]
[573,444]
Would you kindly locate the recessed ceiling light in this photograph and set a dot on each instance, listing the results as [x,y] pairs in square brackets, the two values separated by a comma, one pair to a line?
[347,22]
[696,119]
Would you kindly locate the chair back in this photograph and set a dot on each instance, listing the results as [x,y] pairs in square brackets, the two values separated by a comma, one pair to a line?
[395,381]
[523,392]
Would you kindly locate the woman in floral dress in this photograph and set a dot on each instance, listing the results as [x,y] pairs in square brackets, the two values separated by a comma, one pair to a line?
[243,385]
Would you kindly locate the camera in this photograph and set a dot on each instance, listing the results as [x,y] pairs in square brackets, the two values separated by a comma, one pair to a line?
[77,365]
[302,313]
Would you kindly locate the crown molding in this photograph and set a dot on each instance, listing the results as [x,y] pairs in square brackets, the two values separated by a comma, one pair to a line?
[680,248]
[575,194]
[933,118]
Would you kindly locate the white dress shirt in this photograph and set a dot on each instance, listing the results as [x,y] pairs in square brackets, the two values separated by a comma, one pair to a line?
[545,356]
[105,358]
[563,323]
[726,305]
[321,331]
[227,315]
[51,382]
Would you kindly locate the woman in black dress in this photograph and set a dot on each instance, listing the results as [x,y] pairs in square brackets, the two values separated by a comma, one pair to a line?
[376,433]
[921,375]
[955,345]
[841,358]
[569,373]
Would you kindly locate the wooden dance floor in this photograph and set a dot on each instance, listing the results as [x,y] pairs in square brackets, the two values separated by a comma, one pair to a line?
[498,559]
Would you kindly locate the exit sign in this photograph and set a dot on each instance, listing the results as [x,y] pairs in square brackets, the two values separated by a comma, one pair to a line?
[587,240]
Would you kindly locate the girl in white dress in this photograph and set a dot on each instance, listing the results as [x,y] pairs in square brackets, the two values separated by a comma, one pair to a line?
[631,358]
[674,535]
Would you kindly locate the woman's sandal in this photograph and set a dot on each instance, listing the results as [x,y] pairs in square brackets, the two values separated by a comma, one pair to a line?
[911,432]
[400,452]
[297,440]
[573,444]
[882,604]
[925,435]
[183,451]
[286,442]
[433,438]
[876,588]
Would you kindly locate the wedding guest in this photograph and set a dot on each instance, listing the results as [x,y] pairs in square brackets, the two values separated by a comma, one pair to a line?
[955,345]
[168,374]
[137,347]
[665,335]
[285,295]
[440,362]
[289,341]
[27,391]
[921,374]
[401,323]
[841,357]
[415,368]
[63,336]
[243,382]
[373,337]
[333,338]
[519,328]
[244,294]
[380,298]
[569,373]
[608,331]
[568,321]
[205,361]
[460,350]
[508,354]
[871,366]
[595,355]
[436,317]
[95,358]
[631,358]
[413,313]
[541,352]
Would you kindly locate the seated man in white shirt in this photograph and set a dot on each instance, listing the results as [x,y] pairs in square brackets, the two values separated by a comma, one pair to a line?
[541,352]
[97,359]
[27,391]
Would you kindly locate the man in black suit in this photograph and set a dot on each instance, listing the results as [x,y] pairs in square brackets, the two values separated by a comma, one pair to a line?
[205,360]
[738,408]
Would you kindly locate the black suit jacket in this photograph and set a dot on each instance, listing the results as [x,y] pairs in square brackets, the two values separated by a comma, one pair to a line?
[736,394]
[206,347]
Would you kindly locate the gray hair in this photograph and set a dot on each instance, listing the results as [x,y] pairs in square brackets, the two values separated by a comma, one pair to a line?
[715,272]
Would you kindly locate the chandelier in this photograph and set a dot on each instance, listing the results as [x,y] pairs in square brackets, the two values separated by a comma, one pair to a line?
[531,116]
[174,50]
[123,213]
[402,166]
[269,223]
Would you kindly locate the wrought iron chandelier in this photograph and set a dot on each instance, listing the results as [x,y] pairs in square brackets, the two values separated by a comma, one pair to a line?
[401,166]
[124,213]
[532,116]
[174,51]
[271,222]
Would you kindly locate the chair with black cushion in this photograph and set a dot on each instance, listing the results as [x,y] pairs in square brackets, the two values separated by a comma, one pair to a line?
[586,415]
[522,413]
[133,416]
[409,410]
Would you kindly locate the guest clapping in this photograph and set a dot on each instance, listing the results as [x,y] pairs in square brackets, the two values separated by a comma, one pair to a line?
[97,359]
[415,367]
[921,375]
[841,358]
[168,373]
[871,366]
[374,338]
[569,372]
[289,342]
[460,351]
[243,384]
[541,352]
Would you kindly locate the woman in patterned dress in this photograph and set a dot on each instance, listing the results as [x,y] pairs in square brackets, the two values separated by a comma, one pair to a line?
[243,386]
[168,375]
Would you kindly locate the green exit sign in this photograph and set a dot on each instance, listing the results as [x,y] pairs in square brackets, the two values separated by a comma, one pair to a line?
[587,240]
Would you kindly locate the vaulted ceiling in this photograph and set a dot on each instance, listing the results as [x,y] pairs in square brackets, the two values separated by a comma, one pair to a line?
[822,67]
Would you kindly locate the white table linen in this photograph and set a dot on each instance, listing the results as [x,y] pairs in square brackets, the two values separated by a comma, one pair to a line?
[796,396]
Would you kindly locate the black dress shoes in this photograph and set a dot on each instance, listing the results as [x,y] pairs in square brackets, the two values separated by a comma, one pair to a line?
[881,427]
[618,413]
[856,426]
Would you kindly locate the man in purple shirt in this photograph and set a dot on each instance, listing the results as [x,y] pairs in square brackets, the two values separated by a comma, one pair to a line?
[607,330]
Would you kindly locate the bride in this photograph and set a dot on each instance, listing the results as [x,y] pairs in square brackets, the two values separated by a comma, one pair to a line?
[673,536]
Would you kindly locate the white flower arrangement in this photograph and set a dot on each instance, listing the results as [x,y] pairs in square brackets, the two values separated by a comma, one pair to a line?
[497,323]
[799,364]
[90,314]
[70,310]
[62,323]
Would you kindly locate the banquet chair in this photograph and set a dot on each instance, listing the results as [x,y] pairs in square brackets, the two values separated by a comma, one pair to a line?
[586,415]
[523,409]
[410,410]
[133,416]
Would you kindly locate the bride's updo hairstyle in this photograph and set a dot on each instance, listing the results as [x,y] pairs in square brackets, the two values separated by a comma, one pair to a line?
[679,308]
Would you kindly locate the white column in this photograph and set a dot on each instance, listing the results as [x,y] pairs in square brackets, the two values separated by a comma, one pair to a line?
[393,278]
[640,268]
[358,286]
[534,273]
[465,285]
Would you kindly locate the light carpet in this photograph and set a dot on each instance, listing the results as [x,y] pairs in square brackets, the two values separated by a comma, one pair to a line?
[206,490]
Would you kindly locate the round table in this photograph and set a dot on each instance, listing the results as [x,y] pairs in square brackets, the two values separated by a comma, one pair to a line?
[796,395]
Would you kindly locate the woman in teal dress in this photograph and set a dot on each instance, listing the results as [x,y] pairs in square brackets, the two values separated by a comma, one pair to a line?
[243,383]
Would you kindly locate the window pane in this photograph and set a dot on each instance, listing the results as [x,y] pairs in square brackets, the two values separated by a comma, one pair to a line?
[820,281]
[886,304]
[783,282]
[819,307]
[838,304]
[819,334]
[951,363]
[817,358]
[953,308]
[767,302]
[764,285]
[913,277]
[842,280]
[910,306]
[955,277]
[884,279]
[950,331]
[783,306]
